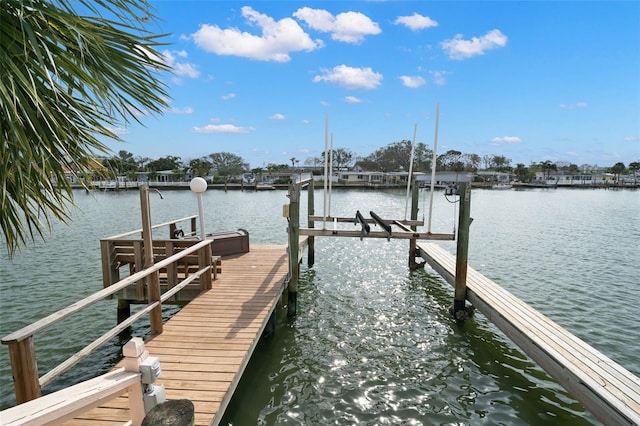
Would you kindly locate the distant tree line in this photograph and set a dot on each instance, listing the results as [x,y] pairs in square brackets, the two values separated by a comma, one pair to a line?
[224,166]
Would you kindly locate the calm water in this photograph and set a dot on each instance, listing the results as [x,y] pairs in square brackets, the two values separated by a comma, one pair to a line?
[372,343]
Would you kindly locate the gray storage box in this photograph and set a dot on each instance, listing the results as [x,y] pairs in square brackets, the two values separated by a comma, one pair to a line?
[228,243]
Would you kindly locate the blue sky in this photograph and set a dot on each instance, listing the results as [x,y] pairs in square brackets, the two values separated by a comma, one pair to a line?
[530,80]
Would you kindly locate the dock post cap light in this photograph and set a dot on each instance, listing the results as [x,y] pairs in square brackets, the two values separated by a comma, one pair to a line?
[198,185]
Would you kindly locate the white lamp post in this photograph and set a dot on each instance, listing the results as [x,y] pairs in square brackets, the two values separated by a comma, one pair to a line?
[199,185]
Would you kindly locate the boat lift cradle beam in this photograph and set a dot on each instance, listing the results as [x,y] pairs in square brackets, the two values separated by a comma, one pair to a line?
[339,219]
[399,235]
[405,233]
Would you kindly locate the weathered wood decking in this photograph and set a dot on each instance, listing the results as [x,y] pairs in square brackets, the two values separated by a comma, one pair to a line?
[205,347]
[608,390]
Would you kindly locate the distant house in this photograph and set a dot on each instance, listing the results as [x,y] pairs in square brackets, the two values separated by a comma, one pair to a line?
[564,178]
[163,176]
[443,178]
[72,174]
[360,177]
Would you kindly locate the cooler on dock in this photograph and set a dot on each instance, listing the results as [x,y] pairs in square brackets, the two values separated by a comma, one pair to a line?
[230,242]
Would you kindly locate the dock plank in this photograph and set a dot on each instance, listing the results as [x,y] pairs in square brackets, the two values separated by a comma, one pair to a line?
[607,389]
[206,346]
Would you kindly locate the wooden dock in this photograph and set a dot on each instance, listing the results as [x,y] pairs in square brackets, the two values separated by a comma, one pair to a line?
[205,347]
[605,388]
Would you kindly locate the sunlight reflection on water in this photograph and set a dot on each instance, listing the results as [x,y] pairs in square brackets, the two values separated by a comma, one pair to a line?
[373,343]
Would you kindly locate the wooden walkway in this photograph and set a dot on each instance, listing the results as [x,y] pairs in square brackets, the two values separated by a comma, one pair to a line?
[605,388]
[205,347]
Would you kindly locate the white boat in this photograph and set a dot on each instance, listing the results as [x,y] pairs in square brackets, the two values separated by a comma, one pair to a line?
[502,185]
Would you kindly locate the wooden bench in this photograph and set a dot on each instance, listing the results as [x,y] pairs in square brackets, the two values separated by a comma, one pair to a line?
[118,253]
[604,387]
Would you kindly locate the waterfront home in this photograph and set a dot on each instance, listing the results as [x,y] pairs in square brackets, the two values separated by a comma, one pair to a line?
[361,177]
[563,178]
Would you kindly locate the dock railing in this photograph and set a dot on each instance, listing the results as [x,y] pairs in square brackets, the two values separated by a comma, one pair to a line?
[67,403]
[21,344]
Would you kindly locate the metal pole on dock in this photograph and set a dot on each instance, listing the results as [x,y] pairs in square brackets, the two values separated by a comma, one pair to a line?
[462,250]
[294,242]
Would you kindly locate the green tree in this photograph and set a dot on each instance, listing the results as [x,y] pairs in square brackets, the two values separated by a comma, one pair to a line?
[169,162]
[521,172]
[294,160]
[617,168]
[501,163]
[394,157]
[450,161]
[471,162]
[342,158]
[126,156]
[67,79]
[227,164]
[547,166]
[634,166]
[200,166]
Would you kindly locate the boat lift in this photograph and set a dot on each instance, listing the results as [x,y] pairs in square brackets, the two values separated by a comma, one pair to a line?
[406,228]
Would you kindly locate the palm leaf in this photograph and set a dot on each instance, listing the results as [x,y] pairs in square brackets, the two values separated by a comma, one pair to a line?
[66,79]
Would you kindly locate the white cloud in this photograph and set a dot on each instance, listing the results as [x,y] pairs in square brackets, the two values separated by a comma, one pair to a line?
[631,138]
[119,131]
[305,121]
[184,110]
[351,78]
[412,81]
[415,22]
[439,77]
[228,96]
[222,128]
[180,68]
[276,41]
[458,48]
[348,27]
[505,140]
[277,117]
[574,106]
[352,100]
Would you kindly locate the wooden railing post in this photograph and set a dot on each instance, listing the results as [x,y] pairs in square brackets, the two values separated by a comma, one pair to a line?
[172,270]
[415,195]
[138,265]
[153,282]
[110,273]
[24,368]
[204,260]
[462,250]
[311,246]
[193,226]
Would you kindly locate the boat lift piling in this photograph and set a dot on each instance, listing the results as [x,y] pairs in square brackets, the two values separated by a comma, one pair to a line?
[460,311]
[294,241]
